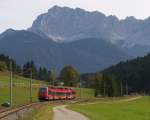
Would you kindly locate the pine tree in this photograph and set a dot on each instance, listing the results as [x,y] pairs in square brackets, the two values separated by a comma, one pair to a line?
[51,77]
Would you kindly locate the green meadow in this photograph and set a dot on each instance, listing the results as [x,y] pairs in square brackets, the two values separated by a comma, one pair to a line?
[20,89]
[116,110]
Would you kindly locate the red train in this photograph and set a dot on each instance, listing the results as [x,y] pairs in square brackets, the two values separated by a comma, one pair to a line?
[56,93]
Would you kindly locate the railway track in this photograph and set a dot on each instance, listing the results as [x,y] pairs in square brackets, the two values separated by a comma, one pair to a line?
[6,112]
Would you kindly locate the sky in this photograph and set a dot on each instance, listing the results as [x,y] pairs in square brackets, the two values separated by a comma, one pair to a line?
[19,14]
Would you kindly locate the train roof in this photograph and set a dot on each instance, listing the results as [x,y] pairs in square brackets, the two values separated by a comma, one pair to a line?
[63,87]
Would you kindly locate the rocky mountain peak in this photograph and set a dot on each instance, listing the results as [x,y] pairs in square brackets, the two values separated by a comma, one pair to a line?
[67,24]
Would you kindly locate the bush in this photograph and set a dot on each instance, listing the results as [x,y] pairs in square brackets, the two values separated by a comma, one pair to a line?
[3,66]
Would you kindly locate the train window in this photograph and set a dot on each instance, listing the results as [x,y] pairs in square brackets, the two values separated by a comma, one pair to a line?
[50,92]
[68,93]
[42,90]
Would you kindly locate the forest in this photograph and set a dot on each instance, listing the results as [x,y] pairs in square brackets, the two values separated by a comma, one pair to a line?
[124,78]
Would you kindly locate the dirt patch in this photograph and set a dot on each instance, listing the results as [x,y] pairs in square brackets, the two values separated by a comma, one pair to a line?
[62,113]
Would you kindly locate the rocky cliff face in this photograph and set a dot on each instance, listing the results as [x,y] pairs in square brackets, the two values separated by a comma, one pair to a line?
[64,24]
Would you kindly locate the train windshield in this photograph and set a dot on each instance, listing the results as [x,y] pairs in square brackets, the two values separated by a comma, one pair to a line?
[60,93]
[43,90]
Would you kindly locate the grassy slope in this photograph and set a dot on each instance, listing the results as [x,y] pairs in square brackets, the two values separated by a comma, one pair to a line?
[133,110]
[20,89]
[5,77]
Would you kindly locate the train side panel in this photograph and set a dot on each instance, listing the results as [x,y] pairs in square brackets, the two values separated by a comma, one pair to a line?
[56,93]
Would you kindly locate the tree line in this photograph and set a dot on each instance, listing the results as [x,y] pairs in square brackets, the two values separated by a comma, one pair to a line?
[133,74]
[128,77]
[104,84]
[68,75]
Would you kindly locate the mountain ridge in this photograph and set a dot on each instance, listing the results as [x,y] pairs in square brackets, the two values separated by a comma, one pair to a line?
[84,24]
[86,55]
[88,41]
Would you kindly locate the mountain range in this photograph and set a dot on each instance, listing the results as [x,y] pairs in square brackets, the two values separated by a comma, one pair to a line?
[64,24]
[89,41]
[85,55]
[67,24]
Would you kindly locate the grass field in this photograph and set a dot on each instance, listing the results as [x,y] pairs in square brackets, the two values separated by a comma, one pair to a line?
[20,89]
[126,110]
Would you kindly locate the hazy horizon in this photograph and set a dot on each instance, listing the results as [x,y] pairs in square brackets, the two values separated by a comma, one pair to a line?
[19,14]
